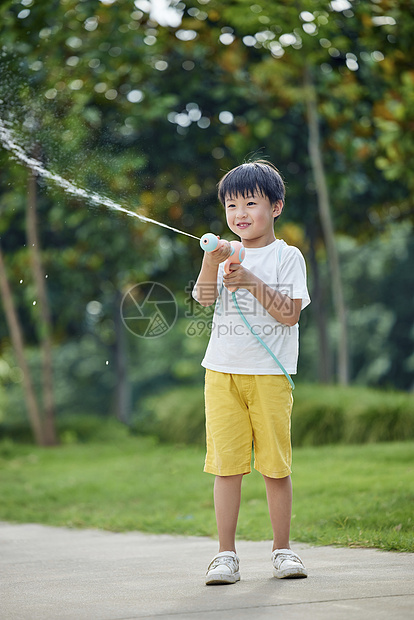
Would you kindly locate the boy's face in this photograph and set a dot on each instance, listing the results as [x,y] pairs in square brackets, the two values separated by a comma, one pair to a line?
[252,218]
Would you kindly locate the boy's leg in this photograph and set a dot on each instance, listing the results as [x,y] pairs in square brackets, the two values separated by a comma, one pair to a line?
[228,458]
[227,496]
[279,500]
[286,563]
[224,567]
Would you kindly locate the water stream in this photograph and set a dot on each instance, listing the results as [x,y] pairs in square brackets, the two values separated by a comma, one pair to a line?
[9,142]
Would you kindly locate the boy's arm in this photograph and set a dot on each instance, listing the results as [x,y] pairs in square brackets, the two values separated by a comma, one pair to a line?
[281,307]
[206,285]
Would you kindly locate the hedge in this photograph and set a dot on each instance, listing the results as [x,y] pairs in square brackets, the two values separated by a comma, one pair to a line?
[321,415]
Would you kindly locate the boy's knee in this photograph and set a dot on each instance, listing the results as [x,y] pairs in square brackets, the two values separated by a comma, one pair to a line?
[230,478]
[282,480]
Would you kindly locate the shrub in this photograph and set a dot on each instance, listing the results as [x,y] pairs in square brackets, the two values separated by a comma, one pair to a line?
[177,416]
[321,415]
[318,425]
[350,415]
[71,429]
[83,428]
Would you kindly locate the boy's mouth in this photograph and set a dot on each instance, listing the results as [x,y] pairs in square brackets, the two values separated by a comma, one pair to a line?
[243,225]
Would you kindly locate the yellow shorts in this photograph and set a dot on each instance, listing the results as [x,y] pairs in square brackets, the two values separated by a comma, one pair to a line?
[241,409]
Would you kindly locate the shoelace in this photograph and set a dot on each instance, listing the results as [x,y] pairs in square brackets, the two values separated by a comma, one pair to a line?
[281,557]
[224,559]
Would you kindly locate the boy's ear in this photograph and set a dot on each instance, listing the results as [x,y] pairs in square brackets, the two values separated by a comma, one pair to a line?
[277,208]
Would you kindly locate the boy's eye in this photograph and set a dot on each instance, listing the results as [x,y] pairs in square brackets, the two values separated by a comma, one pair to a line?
[230,206]
[251,202]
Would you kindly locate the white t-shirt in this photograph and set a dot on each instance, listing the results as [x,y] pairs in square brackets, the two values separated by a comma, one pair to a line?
[232,347]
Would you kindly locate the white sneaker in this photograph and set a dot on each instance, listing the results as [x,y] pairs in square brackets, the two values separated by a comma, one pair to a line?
[287,564]
[223,568]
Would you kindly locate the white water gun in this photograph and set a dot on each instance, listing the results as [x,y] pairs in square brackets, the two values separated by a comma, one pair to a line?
[210,242]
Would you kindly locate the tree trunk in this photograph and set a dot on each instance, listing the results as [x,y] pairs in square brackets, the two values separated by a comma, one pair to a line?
[122,389]
[44,321]
[16,334]
[320,314]
[327,225]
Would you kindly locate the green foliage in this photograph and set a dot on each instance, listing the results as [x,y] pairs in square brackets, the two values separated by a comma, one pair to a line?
[343,495]
[87,429]
[111,99]
[355,415]
[72,429]
[321,415]
[378,276]
[82,380]
[174,417]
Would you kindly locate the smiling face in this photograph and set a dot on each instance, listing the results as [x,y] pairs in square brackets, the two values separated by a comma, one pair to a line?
[252,217]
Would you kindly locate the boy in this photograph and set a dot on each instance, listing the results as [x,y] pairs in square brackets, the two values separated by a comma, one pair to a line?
[247,396]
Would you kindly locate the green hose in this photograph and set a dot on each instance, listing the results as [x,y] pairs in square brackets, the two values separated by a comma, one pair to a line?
[246,322]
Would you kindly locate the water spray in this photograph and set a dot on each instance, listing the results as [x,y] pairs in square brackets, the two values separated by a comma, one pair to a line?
[208,242]
[9,143]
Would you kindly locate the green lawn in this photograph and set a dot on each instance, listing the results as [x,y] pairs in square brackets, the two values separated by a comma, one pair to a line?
[345,495]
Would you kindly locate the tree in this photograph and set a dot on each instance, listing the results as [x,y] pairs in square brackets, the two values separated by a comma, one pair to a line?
[327,88]
[18,345]
[324,205]
[151,115]
[44,321]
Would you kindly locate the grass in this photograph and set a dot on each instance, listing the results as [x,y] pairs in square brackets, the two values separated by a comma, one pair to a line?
[343,495]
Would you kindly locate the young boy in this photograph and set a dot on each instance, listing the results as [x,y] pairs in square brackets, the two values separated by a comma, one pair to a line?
[247,396]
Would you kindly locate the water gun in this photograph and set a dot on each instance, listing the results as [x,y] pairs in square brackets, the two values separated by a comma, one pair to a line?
[210,242]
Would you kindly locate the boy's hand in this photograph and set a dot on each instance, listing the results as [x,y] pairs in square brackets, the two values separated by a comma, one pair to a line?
[219,255]
[281,307]
[240,277]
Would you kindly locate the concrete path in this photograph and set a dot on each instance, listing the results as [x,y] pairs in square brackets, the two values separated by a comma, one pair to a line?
[52,573]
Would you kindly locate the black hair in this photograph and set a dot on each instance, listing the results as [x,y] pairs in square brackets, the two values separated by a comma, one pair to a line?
[259,176]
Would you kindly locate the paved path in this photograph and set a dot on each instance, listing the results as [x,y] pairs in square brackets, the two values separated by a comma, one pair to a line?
[52,573]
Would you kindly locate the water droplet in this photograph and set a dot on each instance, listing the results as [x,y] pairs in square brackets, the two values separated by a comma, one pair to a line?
[21,281]
[107,362]
[34,303]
